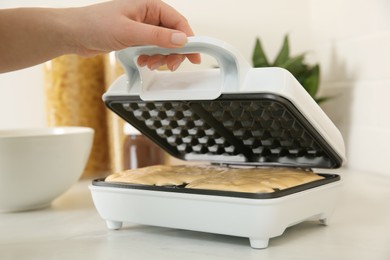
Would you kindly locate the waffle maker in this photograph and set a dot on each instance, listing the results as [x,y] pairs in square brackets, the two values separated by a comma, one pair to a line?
[234,116]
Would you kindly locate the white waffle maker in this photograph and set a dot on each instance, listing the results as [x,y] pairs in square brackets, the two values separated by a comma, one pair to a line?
[236,116]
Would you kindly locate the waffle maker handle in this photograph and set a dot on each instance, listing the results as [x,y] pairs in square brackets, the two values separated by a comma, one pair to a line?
[189,85]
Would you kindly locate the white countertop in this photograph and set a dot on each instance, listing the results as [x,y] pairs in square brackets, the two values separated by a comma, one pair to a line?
[72,229]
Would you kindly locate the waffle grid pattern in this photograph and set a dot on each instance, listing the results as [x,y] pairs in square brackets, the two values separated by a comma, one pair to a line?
[258,130]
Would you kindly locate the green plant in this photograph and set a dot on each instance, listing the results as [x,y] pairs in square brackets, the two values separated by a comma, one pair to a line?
[307,75]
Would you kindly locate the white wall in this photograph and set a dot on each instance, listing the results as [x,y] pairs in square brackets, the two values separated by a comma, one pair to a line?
[349,38]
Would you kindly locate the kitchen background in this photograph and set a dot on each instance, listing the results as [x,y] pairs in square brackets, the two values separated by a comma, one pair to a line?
[350,39]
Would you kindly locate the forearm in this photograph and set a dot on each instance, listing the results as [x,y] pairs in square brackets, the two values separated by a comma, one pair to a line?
[31,36]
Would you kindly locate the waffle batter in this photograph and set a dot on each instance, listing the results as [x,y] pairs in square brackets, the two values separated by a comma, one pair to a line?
[253,180]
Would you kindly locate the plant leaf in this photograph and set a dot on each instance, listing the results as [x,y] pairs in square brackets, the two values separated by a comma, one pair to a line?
[312,81]
[295,65]
[283,53]
[322,99]
[308,76]
[259,58]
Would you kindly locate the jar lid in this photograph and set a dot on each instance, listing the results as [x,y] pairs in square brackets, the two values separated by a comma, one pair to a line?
[130,130]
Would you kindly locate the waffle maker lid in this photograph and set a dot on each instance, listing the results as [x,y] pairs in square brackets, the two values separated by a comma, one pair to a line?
[233,115]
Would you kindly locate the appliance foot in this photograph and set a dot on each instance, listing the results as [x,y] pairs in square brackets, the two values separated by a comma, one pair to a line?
[258,243]
[324,221]
[113,224]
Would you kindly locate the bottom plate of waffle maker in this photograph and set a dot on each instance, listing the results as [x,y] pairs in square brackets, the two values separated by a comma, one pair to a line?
[257,216]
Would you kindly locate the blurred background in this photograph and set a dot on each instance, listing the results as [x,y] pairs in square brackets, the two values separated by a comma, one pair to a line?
[350,40]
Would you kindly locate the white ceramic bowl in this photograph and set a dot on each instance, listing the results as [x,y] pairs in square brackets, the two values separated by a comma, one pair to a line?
[38,165]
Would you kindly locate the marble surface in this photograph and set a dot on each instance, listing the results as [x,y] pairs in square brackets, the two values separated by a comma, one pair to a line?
[72,229]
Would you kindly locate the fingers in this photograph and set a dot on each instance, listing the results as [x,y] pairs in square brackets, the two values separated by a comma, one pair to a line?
[138,33]
[194,58]
[167,17]
[152,62]
[163,26]
[156,23]
[172,61]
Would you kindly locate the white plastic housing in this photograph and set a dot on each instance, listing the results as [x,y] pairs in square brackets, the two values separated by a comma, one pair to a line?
[234,76]
[257,219]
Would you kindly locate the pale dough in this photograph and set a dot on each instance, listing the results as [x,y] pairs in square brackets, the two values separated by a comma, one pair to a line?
[253,180]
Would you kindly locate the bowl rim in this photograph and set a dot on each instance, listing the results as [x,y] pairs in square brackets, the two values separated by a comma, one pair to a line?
[44,131]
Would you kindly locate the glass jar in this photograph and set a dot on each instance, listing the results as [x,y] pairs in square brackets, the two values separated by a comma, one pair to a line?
[139,151]
[116,136]
[74,86]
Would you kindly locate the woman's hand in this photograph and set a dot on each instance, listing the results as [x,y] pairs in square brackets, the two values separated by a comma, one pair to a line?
[33,35]
[122,23]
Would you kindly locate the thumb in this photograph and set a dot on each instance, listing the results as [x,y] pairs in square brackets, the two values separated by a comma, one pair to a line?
[145,34]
